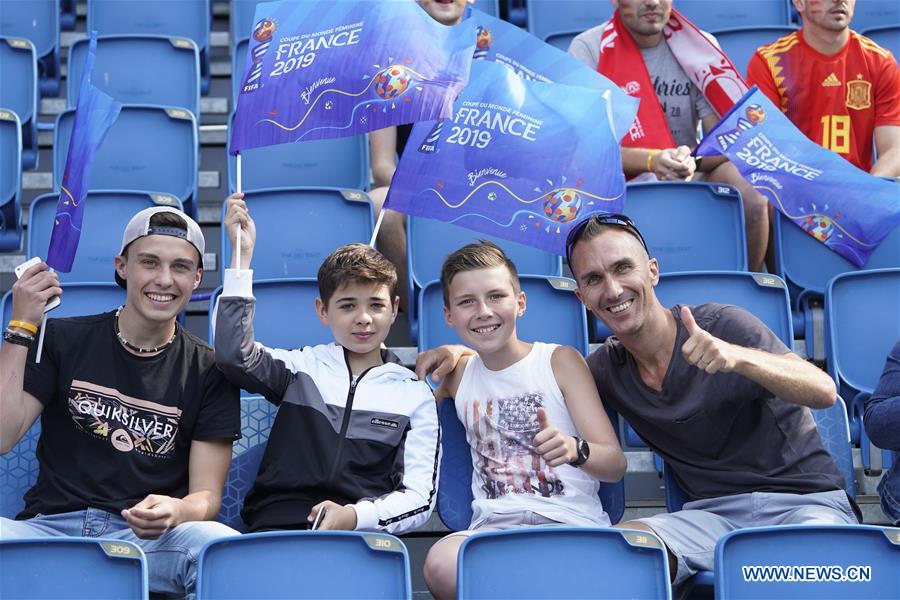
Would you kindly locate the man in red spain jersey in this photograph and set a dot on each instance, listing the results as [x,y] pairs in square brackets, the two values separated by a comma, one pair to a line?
[838,87]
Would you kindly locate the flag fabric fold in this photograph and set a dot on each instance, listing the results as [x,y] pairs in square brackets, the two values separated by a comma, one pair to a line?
[533,60]
[844,208]
[317,70]
[95,113]
[521,160]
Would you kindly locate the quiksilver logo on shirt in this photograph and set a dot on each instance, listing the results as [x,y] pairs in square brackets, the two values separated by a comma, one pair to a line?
[385,423]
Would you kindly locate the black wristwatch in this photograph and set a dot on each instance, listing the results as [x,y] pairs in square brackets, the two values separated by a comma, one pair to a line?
[584,452]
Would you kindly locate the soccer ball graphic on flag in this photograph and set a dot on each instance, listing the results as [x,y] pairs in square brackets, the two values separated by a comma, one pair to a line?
[392,81]
[563,206]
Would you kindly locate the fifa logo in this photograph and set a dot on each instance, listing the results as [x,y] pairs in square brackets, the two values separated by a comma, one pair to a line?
[429,144]
[262,34]
[755,114]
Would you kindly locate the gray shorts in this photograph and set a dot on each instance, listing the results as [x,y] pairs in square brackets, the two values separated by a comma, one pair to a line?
[691,533]
[501,521]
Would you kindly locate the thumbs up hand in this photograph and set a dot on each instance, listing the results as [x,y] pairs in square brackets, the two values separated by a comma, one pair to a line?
[704,350]
[554,447]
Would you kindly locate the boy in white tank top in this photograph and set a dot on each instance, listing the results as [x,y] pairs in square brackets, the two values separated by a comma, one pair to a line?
[539,436]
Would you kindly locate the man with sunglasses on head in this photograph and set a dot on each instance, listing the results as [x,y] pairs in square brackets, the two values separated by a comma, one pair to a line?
[711,390]
[137,421]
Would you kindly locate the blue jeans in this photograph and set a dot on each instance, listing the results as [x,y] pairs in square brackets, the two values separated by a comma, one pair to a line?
[171,559]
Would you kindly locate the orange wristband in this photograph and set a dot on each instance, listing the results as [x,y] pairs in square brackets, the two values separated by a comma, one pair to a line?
[29,327]
[650,156]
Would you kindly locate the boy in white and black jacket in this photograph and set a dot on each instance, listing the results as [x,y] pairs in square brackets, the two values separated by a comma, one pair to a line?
[356,433]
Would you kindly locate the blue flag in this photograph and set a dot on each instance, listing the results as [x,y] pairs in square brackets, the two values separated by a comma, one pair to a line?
[843,207]
[521,160]
[533,60]
[95,112]
[332,69]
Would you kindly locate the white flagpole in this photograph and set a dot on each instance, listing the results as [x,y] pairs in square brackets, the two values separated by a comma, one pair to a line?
[377,227]
[238,225]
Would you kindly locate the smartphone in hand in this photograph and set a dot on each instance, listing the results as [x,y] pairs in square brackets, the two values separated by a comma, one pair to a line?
[318,520]
[20,270]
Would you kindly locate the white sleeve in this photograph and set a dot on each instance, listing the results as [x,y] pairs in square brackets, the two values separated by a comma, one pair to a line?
[410,506]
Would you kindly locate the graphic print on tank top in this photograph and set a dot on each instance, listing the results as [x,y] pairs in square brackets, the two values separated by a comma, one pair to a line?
[503,431]
[128,424]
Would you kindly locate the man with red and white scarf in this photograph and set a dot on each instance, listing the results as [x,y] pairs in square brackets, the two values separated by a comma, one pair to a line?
[681,76]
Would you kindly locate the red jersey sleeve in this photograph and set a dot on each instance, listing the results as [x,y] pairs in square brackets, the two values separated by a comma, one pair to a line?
[758,74]
[887,93]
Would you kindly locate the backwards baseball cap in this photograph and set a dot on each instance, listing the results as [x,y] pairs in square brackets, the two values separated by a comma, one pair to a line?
[139,226]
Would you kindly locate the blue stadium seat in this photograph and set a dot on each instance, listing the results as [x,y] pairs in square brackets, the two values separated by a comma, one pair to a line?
[429,241]
[242,13]
[37,21]
[311,564]
[712,15]
[257,416]
[106,213]
[563,563]
[561,39]
[875,13]
[869,557]
[176,61]
[808,266]
[186,19]
[148,149]
[18,473]
[862,325]
[547,17]
[19,91]
[690,226]
[491,7]
[10,181]
[67,16]
[341,163]
[886,37]
[553,314]
[285,313]
[740,44]
[298,227]
[454,502]
[74,567]
[78,299]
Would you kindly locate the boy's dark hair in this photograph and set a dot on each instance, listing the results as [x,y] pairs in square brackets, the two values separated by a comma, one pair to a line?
[480,255]
[355,263]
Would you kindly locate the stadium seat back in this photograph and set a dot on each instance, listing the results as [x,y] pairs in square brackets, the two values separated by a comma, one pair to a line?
[105,216]
[148,148]
[491,7]
[547,17]
[257,416]
[886,37]
[72,567]
[311,564]
[285,314]
[339,163]
[18,473]
[740,44]
[454,503]
[242,13]
[595,563]
[10,181]
[712,15]
[808,265]
[862,325]
[553,314]
[690,226]
[19,91]
[299,227]
[176,61]
[37,21]
[185,18]
[868,14]
[868,556]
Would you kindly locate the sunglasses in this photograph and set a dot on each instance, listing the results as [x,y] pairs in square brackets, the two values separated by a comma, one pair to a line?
[602,219]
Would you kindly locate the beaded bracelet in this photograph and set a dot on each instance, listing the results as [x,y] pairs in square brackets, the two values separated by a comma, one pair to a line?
[20,339]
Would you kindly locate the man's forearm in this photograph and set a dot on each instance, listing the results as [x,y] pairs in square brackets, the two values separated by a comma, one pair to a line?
[787,376]
[12,407]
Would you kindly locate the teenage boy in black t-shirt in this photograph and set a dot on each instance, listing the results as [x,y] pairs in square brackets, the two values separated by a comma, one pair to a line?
[136,420]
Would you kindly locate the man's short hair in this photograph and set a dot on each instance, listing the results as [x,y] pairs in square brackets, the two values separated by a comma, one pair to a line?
[480,255]
[355,263]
